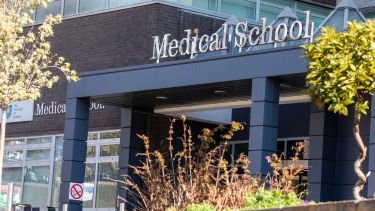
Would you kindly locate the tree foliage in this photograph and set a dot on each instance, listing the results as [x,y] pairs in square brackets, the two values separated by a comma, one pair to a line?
[342,71]
[342,67]
[27,63]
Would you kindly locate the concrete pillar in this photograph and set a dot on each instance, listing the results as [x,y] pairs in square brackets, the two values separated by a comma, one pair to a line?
[322,154]
[132,123]
[263,123]
[75,147]
[371,154]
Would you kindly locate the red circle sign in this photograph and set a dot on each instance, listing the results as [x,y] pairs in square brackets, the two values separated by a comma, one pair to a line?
[76,191]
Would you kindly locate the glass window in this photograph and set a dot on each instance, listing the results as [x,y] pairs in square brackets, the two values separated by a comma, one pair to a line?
[89,182]
[280,148]
[228,153]
[109,150]
[29,11]
[36,181]
[70,7]
[13,175]
[317,20]
[119,3]
[39,154]
[57,171]
[290,150]
[369,15]
[269,12]
[202,4]
[92,136]
[321,11]
[53,8]
[240,148]
[110,135]
[91,5]
[13,155]
[106,189]
[14,142]
[239,8]
[281,3]
[39,140]
[90,151]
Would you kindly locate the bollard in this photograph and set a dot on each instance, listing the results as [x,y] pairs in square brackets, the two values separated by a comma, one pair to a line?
[10,196]
[122,207]
[24,207]
[65,207]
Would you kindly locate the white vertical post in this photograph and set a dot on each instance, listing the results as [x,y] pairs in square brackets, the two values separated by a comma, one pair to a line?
[122,207]
[10,196]
[65,207]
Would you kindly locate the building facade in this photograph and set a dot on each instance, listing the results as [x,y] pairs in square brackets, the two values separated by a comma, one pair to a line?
[123,92]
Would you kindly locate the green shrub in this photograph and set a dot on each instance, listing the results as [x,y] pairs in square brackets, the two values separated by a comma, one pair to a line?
[271,199]
[200,207]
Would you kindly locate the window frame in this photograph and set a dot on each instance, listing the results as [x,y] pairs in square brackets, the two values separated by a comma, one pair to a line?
[51,146]
[211,13]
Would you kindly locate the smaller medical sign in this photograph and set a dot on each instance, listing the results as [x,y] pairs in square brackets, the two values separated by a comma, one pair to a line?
[76,191]
[20,111]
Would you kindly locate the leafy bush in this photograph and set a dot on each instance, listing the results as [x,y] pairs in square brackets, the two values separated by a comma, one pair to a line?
[200,207]
[198,177]
[272,198]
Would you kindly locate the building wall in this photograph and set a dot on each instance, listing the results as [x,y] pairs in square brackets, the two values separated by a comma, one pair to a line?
[103,41]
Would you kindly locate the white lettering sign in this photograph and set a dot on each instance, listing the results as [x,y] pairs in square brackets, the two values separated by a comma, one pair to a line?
[267,34]
[52,108]
[20,111]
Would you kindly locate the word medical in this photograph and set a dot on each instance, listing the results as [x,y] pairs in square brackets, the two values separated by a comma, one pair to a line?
[244,36]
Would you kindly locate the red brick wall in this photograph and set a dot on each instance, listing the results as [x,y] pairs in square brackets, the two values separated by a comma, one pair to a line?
[109,40]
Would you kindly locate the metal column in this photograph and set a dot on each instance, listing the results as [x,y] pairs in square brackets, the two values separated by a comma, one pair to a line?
[132,123]
[371,154]
[322,156]
[263,123]
[75,147]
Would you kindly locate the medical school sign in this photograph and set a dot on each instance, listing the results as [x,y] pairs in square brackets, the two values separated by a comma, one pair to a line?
[192,44]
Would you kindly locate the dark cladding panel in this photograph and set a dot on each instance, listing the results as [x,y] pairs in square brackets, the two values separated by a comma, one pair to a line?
[294,120]
[263,123]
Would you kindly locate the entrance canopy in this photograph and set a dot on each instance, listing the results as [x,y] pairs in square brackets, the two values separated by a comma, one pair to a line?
[221,78]
[205,80]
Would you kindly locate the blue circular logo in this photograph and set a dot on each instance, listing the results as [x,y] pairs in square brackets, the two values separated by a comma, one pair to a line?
[9,111]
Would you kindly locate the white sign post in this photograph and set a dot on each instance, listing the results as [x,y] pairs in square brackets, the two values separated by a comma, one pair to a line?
[76,191]
[20,111]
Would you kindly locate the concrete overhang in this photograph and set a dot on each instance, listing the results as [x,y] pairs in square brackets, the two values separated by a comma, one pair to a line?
[200,77]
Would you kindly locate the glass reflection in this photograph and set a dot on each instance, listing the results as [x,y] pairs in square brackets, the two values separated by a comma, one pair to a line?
[39,140]
[109,150]
[14,142]
[36,181]
[13,175]
[106,189]
[40,154]
[57,171]
[89,182]
[13,155]
[110,135]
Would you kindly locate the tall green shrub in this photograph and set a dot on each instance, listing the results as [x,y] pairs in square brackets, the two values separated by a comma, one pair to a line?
[342,71]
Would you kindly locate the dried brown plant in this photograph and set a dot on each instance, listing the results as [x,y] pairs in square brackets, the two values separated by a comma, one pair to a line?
[177,179]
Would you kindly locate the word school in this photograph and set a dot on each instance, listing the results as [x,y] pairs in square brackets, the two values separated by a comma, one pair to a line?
[244,36]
